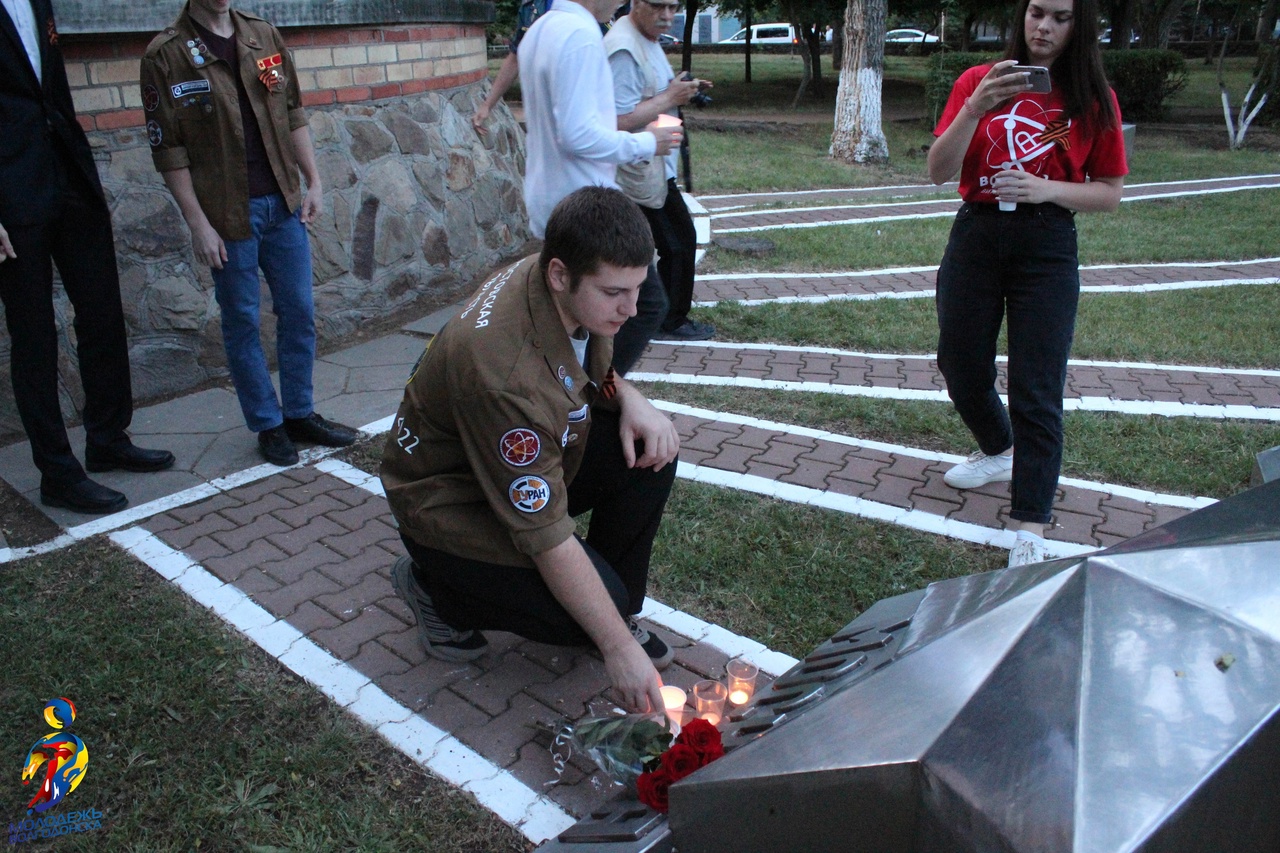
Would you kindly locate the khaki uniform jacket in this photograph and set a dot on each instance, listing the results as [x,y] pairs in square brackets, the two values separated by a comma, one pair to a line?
[193,115]
[493,426]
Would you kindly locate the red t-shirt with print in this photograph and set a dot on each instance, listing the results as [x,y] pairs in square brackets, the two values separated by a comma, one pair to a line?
[1030,132]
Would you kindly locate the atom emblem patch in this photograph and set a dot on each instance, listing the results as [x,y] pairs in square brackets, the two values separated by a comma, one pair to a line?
[519,447]
[529,494]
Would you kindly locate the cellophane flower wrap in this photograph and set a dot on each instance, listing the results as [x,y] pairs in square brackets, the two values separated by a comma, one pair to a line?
[697,746]
[623,745]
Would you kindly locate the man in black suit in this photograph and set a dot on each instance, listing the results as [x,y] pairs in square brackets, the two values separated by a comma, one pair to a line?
[53,211]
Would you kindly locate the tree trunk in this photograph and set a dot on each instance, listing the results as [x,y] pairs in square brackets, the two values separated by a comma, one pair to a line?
[805,59]
[859,137]
[1121,24]
[814,35]
[1266,21]
[690,21]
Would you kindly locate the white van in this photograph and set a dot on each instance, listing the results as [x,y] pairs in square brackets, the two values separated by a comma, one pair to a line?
[764,34]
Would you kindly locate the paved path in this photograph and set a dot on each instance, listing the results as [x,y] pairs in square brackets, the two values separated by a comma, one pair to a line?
[900,203]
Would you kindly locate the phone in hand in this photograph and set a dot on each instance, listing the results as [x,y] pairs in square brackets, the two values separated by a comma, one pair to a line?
[1037,76]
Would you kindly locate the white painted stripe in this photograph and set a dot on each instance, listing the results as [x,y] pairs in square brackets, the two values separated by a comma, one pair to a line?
[1142,495]
[1079,404]
[1187,193]
[952,201]
[938,187]
[914,519]
[8,555]
[495,788]
[863,221]
[353,475]
[1194,181]
[891,356]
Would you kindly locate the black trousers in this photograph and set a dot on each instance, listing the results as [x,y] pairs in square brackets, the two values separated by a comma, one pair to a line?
[626,507]
[676,239]
[79,241]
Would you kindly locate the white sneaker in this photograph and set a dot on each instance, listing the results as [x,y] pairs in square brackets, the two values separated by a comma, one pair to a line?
[978,470]
[1029,548]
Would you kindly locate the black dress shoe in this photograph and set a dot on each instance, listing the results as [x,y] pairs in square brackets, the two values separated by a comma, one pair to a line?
[317,430]
[276,448]
[689,330]
[84,496]
[126,457]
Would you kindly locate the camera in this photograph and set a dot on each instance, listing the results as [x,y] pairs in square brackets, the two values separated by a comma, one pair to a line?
[700,98]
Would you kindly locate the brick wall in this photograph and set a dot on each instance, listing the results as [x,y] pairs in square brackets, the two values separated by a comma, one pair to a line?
[335,66]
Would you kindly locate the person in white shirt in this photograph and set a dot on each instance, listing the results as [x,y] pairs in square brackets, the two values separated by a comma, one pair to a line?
[644,88]
[573,139]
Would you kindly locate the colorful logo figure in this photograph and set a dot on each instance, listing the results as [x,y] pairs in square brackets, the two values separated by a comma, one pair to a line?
[64,756]
[519,447]
[1023,135]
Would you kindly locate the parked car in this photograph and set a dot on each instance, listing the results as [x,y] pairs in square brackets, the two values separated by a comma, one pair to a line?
[764,34]
[1105,38]
[909,36]
[665,39]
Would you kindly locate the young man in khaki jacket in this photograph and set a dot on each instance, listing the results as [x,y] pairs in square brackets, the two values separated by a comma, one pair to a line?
[228,132]
[512,424]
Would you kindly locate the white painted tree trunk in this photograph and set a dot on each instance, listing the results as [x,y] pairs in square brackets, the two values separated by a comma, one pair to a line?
[859,135]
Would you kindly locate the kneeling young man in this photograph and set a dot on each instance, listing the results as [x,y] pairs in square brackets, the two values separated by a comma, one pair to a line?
[512,424]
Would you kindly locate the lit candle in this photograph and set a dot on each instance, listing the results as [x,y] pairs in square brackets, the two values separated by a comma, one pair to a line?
[665,120]
[739,697]
[742,680]
[673,698]
[713,719]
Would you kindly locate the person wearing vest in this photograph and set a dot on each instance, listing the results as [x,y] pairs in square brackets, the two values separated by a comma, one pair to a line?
[53,211]
[514,422]
[228,133]
[644,88]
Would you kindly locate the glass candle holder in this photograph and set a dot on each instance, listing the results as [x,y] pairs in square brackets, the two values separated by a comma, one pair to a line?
[673,698]
[742,680]
[708,700]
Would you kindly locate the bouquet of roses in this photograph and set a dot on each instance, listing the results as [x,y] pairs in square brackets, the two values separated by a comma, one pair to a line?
[622,745]
[696,746]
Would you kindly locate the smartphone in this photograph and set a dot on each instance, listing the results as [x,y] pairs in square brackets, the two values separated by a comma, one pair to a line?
[1037,76]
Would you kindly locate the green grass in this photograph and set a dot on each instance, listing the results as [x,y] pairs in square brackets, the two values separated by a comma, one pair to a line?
[197,739]
[1227,327]
[1178,455]
[788,575]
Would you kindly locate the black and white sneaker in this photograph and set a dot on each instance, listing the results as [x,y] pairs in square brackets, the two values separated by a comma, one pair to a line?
[439,639]
[658,651]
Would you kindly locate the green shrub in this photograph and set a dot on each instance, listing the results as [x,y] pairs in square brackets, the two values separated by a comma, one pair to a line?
[1144,79]
[944,69]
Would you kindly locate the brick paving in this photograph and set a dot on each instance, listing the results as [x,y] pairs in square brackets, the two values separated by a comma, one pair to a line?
[317,552]
[899,204]
[920,373]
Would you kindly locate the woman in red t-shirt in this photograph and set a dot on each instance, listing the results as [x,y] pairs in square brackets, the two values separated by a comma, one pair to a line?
[1027,162]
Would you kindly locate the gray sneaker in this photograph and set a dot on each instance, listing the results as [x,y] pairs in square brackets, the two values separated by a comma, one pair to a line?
[439,639]
[658,651]
[978,470]
[1028,549]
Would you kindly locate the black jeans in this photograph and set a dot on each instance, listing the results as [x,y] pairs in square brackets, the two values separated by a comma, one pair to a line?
[676,239]
[79,241]
[634,336]
[626,505]
[1023,264]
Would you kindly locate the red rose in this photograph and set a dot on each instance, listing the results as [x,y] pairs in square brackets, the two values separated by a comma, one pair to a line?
[652,788]
[681,760]
[704,738]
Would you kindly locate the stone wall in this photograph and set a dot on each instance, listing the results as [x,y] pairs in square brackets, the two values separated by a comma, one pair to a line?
[416,203]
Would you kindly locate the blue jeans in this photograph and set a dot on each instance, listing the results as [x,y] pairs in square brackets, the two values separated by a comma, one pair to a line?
[280,247]
[1023,264]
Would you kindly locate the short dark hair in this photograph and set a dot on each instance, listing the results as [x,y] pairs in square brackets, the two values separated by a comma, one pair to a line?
[1078,73]
[596,225]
